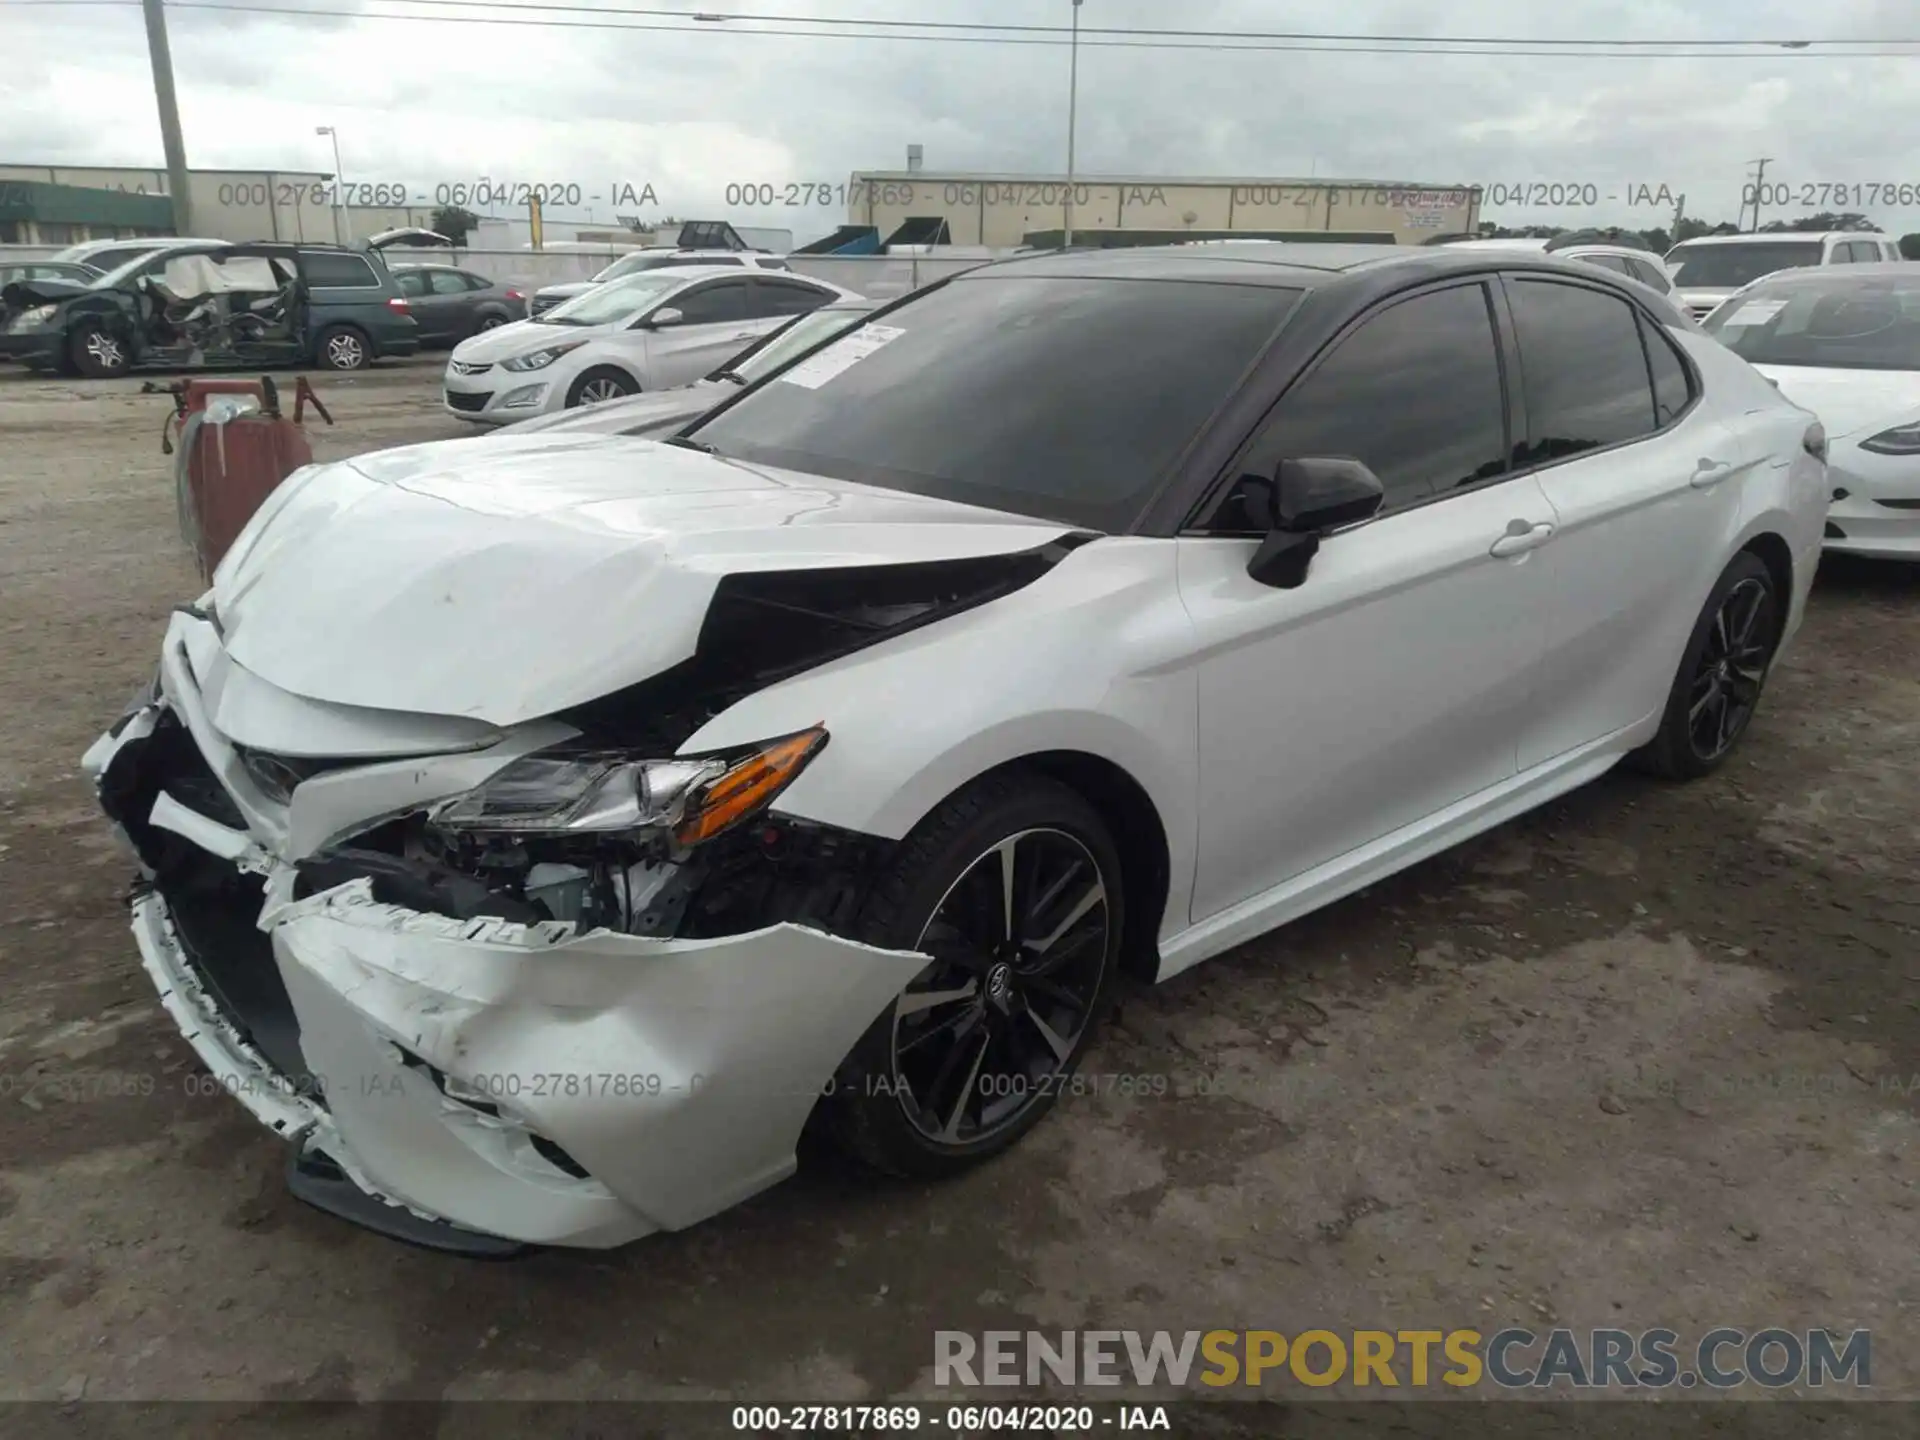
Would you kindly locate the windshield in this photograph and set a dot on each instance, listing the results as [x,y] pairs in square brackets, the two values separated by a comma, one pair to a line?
[1728,267]
[611,303]
[1065,399]
[1850,322]
[630,265]
[127,269]
[798,337]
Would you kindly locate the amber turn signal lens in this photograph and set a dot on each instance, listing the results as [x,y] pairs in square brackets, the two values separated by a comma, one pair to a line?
[749,787]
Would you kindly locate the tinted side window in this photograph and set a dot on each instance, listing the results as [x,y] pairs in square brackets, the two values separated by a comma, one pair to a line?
[1415,393]
[1585,371]
[411,282]
[447,282]
[474,282]
[715,304]
[1672,387]
[342,270]
[1648,273]
[785,297]
[1607,262]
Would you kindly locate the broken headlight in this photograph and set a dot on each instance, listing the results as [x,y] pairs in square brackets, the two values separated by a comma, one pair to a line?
[33,319]
[691,799]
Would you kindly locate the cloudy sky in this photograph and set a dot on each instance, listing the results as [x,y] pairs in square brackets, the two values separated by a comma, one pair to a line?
[434,101]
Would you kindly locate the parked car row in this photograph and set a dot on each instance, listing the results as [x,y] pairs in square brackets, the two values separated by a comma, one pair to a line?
[187,303]
[822,764]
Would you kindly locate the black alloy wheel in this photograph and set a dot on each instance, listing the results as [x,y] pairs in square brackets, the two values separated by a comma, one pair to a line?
[1731,670]
[1722,672]
[1013,889]
[1020,944]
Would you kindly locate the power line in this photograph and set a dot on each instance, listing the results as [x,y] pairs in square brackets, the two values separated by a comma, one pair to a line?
[1308,45]
[969,32]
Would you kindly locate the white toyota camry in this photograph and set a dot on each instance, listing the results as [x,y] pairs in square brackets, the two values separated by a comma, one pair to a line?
[1845,342]
[652,331]
[540,835]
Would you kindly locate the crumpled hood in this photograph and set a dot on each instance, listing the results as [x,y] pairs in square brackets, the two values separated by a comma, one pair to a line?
[25,294]
[657,408]
[1850,402]
[506,578]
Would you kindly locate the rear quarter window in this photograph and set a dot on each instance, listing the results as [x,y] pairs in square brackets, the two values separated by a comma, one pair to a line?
[340,271]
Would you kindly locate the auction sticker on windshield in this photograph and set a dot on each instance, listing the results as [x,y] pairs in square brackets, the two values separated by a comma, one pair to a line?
[1756,312]
[841,356]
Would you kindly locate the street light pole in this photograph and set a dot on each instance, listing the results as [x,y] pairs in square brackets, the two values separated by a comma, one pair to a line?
[1073,105]
[339,189]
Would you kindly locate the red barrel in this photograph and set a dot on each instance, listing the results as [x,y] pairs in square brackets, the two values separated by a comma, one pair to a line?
[225,467]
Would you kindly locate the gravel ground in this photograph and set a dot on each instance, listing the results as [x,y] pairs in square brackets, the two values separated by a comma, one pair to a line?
[1645,1058]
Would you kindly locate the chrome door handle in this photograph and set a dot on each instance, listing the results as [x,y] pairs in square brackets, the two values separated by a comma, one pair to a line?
[1521,537]
[1709,473]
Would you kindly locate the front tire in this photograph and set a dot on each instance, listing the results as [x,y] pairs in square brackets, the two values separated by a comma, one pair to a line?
[596,387]
[1014,887]
[1722,673]
[96,352]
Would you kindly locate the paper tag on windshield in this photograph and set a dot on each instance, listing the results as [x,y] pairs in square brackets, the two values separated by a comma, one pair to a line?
[841,356]
[1756,312]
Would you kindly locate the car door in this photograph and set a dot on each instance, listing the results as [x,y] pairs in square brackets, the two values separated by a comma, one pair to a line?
[1395,680]
[453,302]
[1641,479]
[713,326]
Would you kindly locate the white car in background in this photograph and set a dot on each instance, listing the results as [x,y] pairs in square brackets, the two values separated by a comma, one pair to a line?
[652,331]
[1845,344]
[1708,269]
[660,411]
[651,258]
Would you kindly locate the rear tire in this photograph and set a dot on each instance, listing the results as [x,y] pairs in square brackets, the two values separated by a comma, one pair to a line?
[597,386]
[96,352]
[341,347]
[1014,885]
[1721,676]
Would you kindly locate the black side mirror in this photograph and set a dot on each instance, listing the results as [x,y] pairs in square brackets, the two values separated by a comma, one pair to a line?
[1309,498]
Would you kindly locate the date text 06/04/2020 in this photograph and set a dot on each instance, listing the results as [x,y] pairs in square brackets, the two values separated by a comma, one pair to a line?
[482,192]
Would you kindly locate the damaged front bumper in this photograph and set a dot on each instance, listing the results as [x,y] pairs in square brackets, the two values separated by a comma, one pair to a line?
[465,1083]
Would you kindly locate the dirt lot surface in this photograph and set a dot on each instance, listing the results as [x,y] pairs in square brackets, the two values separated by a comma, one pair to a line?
[1645,1058]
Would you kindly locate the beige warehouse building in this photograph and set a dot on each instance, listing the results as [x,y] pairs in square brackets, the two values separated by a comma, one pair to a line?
[230,204]
[1001,210]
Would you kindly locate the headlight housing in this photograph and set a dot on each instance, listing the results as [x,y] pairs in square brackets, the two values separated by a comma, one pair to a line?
[32,319]
[1901,440]
[691,800]
[540,359]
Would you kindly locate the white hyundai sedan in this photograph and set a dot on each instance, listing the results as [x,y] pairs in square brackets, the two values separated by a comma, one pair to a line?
[1845,343]
[652,331]
[539,835]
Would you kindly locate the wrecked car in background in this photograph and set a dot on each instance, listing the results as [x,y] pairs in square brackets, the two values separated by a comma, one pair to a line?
[193,304]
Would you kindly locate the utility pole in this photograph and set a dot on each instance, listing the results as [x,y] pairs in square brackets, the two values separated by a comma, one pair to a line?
[1759,188]
[170,141]
[1073,105]
[1679,214]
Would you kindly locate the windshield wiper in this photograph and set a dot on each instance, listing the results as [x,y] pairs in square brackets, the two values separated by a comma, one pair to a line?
[734,375]
[685,444]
